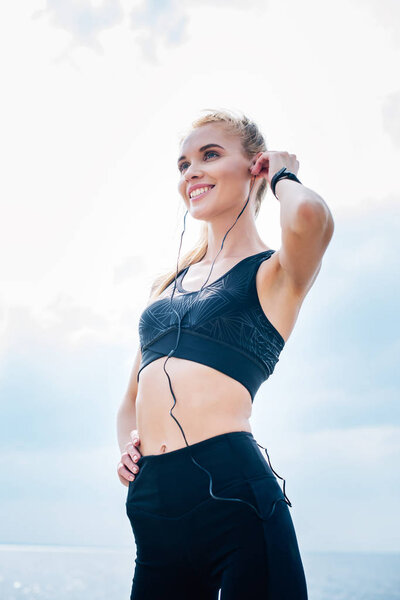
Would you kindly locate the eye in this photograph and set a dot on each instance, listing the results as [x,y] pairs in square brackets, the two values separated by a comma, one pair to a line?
[205,154]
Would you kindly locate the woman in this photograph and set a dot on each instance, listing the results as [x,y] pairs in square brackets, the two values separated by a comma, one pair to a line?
[206,510]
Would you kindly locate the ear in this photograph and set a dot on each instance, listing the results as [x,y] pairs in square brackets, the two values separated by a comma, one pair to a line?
[255,159]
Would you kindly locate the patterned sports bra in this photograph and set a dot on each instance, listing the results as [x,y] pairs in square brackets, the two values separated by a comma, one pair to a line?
[223,327]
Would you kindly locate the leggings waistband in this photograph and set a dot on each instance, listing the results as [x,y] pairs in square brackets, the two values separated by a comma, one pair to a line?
[208,443]
[230,456]
[171,483]
[239,445]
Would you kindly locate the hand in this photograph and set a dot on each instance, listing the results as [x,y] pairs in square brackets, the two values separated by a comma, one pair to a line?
[127,467]
[269,163]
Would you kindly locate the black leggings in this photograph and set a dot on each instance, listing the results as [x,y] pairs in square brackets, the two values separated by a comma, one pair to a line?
[190,545]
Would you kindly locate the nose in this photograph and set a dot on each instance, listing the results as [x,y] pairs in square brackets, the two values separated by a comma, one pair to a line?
[190,178]
[192,171]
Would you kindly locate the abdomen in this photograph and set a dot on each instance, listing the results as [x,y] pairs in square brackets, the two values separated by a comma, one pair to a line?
[208,403]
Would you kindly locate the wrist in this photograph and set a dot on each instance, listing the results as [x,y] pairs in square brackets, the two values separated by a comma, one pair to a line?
[280,175]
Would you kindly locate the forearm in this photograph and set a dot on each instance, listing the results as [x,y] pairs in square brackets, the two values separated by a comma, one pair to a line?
[301,207]
[126,422]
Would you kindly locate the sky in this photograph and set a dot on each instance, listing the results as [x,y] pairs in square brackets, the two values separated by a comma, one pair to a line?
[96,96]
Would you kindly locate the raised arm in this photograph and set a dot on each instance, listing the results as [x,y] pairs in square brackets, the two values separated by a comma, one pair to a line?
[307,228]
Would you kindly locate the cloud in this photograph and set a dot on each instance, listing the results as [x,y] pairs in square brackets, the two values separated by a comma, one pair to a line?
[153,22]
[81,19]
[62,379]
[158,20]
[346,487]
[343,351]
[69,494]
[168,20]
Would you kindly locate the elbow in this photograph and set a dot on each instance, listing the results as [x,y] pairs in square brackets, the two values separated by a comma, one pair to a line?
[315,216]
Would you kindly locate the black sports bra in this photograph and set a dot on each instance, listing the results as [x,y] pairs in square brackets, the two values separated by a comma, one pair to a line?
[223,327]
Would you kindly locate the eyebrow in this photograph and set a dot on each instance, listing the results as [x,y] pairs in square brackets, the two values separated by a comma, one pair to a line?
[203,148]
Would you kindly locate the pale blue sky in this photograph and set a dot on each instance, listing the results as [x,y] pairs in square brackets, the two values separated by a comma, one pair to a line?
[98,94]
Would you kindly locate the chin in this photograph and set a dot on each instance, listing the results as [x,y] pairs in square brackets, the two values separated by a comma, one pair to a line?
[199,213]
[202,213]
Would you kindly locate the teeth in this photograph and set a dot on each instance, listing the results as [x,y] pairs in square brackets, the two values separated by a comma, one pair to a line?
[200,191]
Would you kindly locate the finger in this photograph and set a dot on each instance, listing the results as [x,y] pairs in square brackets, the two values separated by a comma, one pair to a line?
[132,452]
[262,163]
[124,470]
[258,163]
[135,437]
[125,473]
[130,464]
[262,171]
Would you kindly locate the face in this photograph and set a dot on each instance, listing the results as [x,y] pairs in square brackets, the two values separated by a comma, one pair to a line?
[222,165]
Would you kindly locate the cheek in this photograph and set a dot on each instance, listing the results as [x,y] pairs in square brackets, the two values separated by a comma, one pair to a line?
[232,172]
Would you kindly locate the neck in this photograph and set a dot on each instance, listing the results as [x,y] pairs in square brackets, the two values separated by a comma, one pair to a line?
[242,240]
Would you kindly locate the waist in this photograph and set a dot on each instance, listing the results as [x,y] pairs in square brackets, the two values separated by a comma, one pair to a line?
[159,435]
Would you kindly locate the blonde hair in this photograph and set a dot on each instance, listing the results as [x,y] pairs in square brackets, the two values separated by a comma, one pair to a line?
[252,142]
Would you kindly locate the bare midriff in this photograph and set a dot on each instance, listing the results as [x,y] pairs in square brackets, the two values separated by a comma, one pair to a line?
[208,403]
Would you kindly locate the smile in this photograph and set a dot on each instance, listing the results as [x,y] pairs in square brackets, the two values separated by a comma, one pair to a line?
[198,196]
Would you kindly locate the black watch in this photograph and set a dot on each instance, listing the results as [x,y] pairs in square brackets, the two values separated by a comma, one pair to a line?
[282,174]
